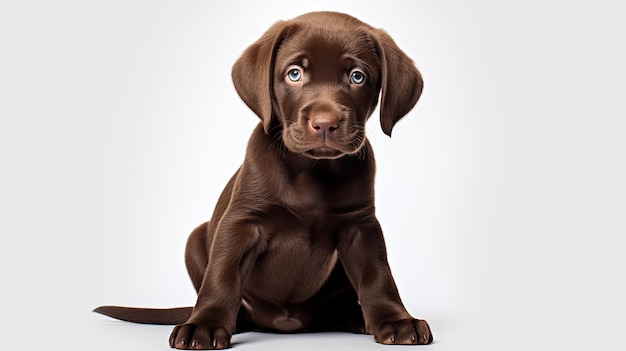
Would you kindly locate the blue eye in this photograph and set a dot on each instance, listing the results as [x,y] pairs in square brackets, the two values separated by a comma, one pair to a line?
[294,75]
[357,77]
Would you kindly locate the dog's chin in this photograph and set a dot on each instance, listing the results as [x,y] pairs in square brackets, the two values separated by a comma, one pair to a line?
[323,153]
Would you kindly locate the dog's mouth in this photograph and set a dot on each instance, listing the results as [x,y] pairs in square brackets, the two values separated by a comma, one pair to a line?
[324,152]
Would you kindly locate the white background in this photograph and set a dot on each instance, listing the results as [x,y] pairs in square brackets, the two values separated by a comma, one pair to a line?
[502,194]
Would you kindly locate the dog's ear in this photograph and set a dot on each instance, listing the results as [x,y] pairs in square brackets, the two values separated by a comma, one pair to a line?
[252,73]
[401,84]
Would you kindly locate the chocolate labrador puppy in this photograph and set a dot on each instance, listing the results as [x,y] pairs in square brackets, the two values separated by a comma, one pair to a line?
[294,243]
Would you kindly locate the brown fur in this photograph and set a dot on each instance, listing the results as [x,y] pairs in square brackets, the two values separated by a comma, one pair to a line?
[294,243]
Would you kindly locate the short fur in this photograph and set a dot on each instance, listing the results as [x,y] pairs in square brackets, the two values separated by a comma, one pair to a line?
[294,244]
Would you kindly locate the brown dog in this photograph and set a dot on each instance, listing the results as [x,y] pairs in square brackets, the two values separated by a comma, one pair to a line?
[294,243]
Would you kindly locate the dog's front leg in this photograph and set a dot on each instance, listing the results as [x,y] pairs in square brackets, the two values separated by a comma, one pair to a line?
[214,317]
[363,254]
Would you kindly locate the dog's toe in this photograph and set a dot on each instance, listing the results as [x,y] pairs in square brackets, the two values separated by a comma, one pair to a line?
[199,337]
[403,332]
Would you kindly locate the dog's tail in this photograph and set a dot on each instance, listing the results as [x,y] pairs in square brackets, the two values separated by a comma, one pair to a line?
[163,316]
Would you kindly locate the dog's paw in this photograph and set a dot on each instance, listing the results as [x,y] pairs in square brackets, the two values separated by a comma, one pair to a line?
[199,337]
[403,332]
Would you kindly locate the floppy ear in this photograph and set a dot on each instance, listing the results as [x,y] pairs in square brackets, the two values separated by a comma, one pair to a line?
[401,85]
[252,73]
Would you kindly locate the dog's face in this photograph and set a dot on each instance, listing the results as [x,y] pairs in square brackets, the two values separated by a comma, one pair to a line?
[326,85]
[317,78]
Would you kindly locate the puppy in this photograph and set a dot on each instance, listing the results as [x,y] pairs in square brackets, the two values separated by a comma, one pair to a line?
[294,244]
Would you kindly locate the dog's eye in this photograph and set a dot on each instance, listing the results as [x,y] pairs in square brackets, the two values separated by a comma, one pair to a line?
[357,77]
[294,75]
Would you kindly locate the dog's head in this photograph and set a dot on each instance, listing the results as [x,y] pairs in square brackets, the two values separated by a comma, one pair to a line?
[318,77]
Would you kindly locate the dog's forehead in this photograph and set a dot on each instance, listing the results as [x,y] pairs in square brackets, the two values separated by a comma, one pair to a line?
[328,30]
[330,42]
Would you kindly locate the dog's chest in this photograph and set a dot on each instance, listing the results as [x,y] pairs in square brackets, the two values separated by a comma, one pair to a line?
[311,194]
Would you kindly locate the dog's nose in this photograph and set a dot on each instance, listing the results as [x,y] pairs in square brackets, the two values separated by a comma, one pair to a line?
[323,124]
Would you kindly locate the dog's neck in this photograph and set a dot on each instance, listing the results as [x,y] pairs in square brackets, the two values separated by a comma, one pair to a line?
[335,173]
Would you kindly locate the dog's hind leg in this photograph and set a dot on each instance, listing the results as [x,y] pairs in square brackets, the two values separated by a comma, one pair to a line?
[196,254]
